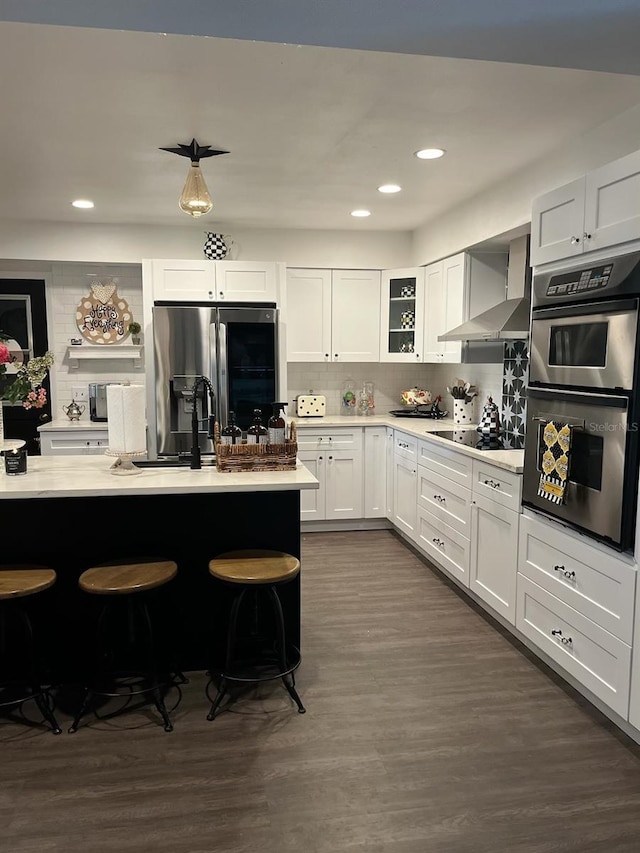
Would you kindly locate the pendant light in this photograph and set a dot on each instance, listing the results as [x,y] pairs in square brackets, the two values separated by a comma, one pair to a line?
[195,199]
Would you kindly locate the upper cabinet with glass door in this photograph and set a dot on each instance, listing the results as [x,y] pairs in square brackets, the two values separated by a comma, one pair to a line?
[402,311]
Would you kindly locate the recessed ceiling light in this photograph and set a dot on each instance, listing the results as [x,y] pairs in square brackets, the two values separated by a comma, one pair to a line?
[430,153]
[361,213]
[389,188]
[83,203]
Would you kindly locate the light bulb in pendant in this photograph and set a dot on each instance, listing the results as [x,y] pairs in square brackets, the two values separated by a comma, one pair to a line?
[195,199]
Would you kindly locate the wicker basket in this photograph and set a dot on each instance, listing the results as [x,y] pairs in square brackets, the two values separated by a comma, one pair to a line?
[256,457]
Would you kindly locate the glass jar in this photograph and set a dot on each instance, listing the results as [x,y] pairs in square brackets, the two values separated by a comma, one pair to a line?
[366,402]
[348,399]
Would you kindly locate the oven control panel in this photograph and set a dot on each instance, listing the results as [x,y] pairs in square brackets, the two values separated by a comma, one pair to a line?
[579,281]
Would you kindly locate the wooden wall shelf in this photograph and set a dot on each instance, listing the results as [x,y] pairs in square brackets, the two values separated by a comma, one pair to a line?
[100,353]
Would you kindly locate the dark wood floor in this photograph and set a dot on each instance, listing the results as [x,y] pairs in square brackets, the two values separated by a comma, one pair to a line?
[427,730]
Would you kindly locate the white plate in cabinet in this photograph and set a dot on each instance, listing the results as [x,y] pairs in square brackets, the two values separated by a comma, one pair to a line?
[444,545]
[406,446]
[441,460]
[497,484]
[600,586]
[593,656]
[338,438]
[445,499]
[493,564]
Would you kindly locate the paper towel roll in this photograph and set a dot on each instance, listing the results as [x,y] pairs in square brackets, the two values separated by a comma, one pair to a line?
[126,418]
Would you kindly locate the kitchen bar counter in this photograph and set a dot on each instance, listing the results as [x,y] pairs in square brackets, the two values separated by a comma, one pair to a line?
[88,476]
[85,515]
[510,460]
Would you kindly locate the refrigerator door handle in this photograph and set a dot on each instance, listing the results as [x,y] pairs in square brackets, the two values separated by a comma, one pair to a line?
[221,374]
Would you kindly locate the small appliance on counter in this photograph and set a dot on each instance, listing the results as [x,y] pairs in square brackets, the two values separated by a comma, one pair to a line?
[98,401]
[310,405]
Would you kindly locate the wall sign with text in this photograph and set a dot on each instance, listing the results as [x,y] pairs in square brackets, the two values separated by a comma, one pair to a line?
[102,316]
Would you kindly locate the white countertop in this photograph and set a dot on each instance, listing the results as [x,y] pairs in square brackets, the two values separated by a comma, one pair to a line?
[58,424]
[510,460]
[88,476]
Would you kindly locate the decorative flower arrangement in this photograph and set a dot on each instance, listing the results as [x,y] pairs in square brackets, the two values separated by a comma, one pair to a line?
[26,388]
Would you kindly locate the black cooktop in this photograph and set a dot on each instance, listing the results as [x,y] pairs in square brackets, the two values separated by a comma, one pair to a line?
[472,438]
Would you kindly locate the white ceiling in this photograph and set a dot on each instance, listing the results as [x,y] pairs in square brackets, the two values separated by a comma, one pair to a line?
[311,130]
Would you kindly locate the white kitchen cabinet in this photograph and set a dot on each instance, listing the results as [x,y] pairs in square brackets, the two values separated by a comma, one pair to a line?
[213,281]
[339,473]
[444,545]
[405,494]
[334,457]
[402,315]
[74,441]
[597,584]
[594,657]
[390,479]
[598,210]
[495,523]
[333,315]
[493,564]
[445,283]
[375,472]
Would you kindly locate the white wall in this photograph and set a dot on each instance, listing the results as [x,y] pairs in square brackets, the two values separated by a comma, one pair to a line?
[66,284]
[124,244]
[507,205]
[390,380]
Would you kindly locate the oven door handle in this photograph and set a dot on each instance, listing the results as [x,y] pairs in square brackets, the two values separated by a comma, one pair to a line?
[586,310]
[580,426]
[539,392]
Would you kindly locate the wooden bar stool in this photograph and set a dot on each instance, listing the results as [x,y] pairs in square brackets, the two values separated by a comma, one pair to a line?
[266,655]
[18,582]
[126,584]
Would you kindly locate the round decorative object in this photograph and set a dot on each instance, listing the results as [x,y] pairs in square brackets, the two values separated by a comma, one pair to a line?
[215,248]
[102,316]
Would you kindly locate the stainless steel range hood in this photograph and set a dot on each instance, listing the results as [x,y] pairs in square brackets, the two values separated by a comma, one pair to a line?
[508,320]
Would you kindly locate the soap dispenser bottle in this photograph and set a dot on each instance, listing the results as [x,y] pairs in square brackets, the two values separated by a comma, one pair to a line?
[257,433]
[231,434]
[276,424]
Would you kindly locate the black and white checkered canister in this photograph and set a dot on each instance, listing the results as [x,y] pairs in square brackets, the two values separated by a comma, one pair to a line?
[215,248]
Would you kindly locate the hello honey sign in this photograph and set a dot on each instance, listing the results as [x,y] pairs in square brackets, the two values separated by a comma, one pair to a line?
[102,316]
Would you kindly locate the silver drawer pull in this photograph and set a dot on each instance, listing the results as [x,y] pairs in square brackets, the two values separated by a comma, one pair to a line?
[492,484]
[569,575]
[566,641]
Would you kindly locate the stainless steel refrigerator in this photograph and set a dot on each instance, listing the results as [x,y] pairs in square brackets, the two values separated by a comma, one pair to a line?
[235,348]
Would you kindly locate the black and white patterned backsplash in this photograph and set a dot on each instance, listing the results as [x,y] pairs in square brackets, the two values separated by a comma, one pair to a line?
[514,392]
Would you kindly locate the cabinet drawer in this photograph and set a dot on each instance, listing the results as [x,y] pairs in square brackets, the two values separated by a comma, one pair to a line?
[64,444]
[444,545]
[597,659]
[445,499]
[336,438]
[497,484]
[405,445]
[592,582]
[448,463]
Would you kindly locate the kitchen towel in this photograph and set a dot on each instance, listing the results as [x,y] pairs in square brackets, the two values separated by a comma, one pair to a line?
[126,418]
[555,462]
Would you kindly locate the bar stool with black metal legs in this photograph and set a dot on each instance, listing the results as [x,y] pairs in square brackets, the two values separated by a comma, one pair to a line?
[259,651]
[128,585]
[18,647]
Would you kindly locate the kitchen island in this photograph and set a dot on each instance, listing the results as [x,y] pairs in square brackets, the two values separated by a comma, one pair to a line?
[71,512]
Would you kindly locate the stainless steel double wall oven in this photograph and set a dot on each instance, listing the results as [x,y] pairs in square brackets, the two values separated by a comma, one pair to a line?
[583,371]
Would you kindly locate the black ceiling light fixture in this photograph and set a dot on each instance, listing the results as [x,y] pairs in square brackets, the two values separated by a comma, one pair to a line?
[195,199]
